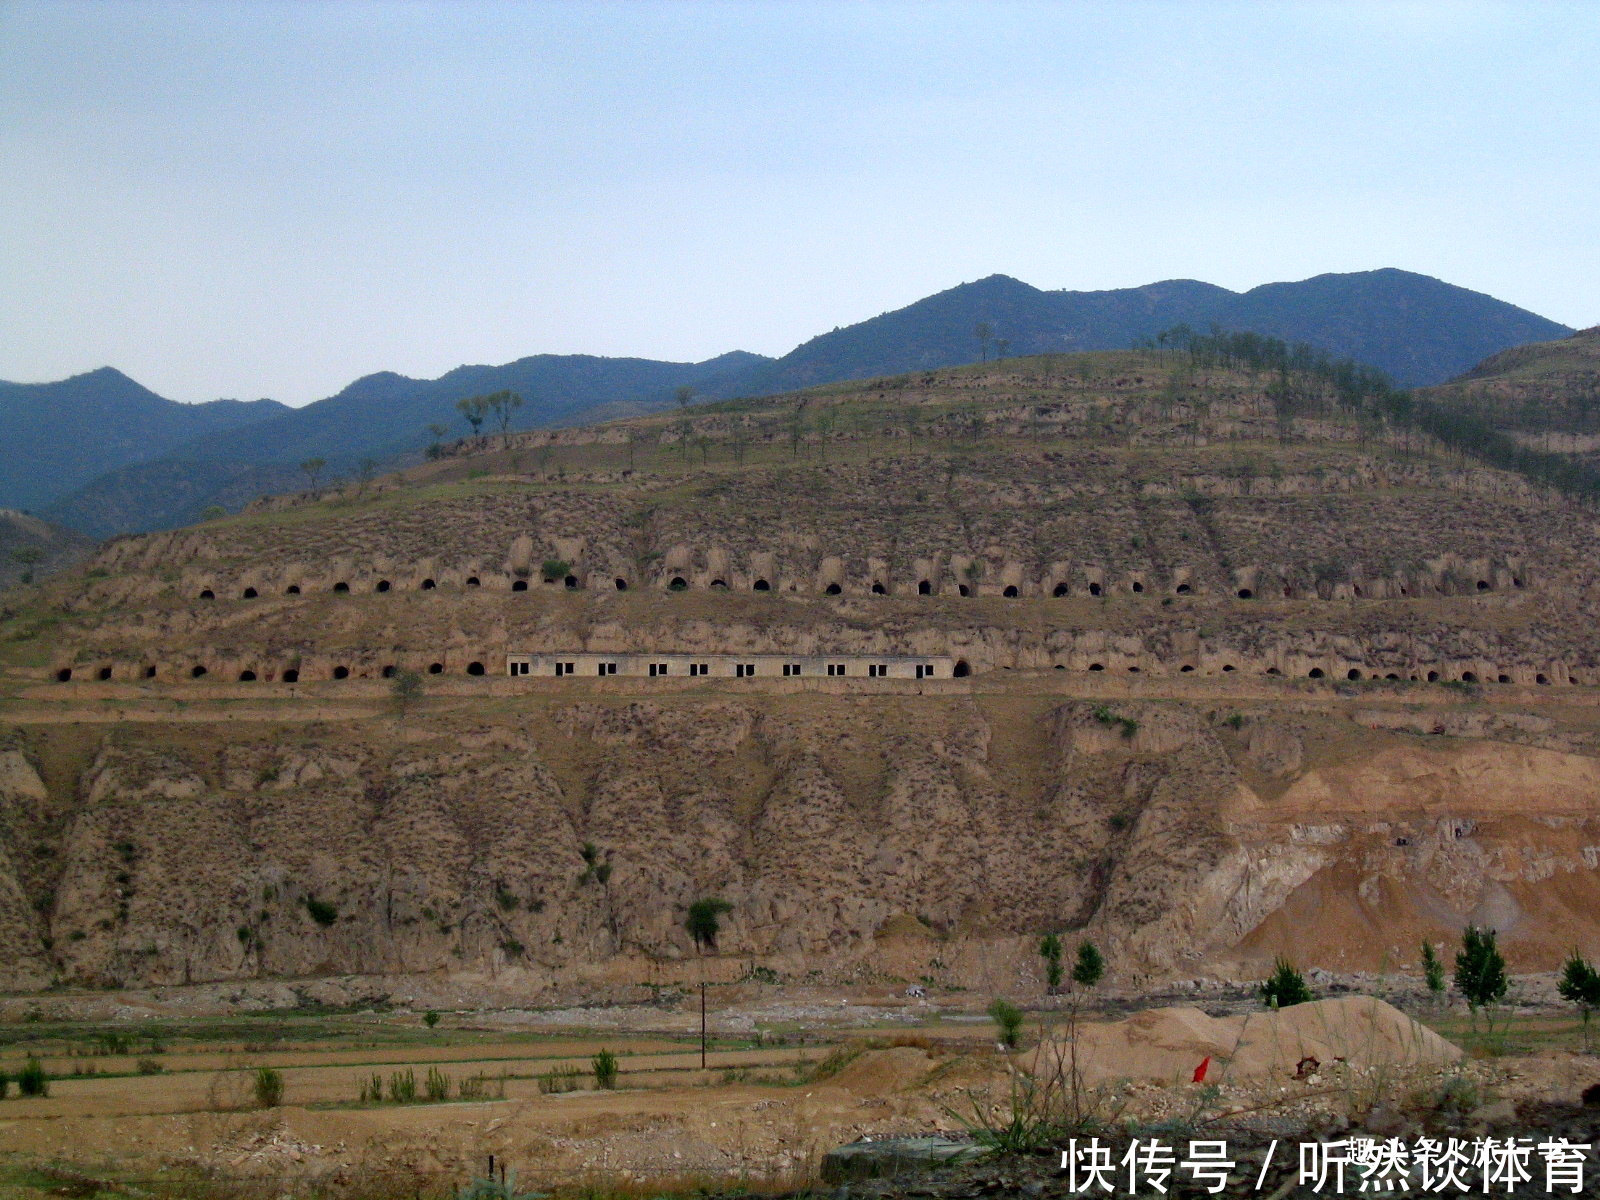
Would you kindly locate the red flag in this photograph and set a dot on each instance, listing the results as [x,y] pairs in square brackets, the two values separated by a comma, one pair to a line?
[1200,1071]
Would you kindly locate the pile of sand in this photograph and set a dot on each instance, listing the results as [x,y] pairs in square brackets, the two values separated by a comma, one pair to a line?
[1167,1044]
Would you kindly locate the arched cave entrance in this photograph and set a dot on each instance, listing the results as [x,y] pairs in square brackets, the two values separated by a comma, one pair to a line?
[924,587]
[1094,589]
[761,585]
[64,675]
[341,672]
[247,676]
[474,668]
[962,669]
[720,585]
[103,674]
[1010,592]
[1246,594]
[622,584]
[1353,673]
[292,590]
[197,671]
[1314,673]
[248,594]
[341,586]
[963,589]
[428,585]
[879,590]
[291,676]
[1469,677]
[1137,586]
[519,585]
[150,672]
[474,581]
[388,671]
[1183,589]
[833,589]
[677,584]
[208,594]
[381,586]
[571,582]
[435,668]
[1097,666]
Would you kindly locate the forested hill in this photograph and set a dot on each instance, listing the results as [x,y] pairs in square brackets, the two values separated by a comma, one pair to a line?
[1416,329]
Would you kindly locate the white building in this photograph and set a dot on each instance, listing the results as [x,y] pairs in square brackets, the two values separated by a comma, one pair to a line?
[737,666]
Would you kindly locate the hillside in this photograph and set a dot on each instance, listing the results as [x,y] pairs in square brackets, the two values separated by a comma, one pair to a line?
[1546,396]
[59,436]
[1220,662]
[1417,329]
[32,549]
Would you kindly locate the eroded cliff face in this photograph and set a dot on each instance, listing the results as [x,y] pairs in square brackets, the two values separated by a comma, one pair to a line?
[557,837]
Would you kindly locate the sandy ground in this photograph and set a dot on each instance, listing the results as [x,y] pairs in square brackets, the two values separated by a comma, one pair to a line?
[764,1112]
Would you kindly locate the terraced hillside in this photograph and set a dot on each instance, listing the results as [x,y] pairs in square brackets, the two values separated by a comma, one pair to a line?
[1239,669]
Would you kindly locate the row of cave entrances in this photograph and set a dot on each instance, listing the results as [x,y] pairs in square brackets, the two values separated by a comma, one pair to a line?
[290,675]
[924,588]
[1356,673]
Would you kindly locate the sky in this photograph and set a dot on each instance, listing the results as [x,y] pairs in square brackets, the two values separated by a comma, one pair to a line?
[275,198]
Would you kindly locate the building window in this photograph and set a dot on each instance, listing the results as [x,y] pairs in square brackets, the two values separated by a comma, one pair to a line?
[744,670]
[835,668]
[877,670]
[606,669]
[563,668]
[924,670]
[699,668]
[791,668]
[658,669]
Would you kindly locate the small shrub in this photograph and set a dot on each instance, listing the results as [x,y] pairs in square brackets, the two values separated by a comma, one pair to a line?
[554,568]
[1432,971]
[403,1087]
[558,1080]
[505,899]
[605,1070]
[149,1066]
[436,1086]
[5,1084]
[268,1087]
[1008,1018]
[321,911]
[1285,986]
[1235,722]
[703,921]
[31,1080]
[372,1090]
[1580,985]
[430,1018]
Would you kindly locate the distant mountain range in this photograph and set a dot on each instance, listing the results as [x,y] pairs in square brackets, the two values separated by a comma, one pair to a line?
[103,455]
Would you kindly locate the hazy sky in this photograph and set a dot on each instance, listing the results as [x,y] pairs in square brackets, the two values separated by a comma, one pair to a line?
[271,199]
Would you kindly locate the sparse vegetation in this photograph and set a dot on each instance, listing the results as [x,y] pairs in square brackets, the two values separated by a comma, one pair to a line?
[605,1070]
[1050,951]
[1580,985]
[1089,966]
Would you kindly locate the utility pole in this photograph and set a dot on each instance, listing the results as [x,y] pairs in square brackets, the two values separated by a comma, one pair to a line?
[702,1024]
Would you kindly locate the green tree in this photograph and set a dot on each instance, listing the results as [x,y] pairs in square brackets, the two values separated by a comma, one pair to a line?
[704,921]
[1480,969]
[430,1018]
[28,557]
[313,469]
[1580,985]
[684,395]
[1285,986]
[474,409]
[605,1070]
[1050,951]
[1432,971]
[1089,967]
[1008,1017]
[984,332]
